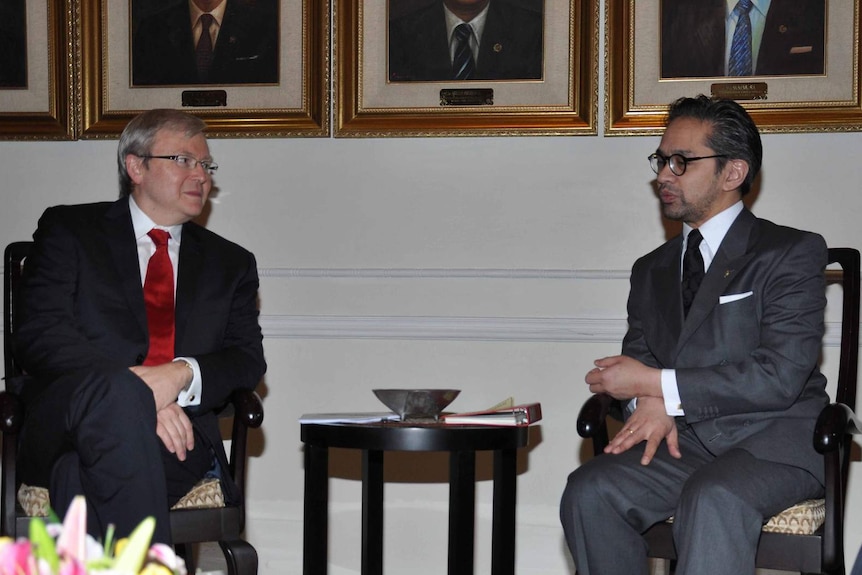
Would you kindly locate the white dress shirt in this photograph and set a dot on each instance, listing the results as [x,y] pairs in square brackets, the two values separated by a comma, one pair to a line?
[142,224]
[713,232]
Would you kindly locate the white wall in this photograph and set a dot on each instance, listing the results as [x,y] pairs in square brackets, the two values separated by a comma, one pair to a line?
[498,266]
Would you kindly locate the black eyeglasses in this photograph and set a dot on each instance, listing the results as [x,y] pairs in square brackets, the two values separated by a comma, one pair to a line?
[676,162]
[187,162]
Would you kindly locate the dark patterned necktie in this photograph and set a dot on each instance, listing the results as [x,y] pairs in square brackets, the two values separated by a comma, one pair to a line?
[692,269]
[159,301]
[204,49]
[463,66]
[740,47]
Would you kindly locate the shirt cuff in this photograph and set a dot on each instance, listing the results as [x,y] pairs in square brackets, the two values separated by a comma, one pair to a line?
[670,391]
[191,394]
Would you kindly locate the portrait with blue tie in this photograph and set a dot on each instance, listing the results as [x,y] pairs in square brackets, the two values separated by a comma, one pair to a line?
[464,40]
[739,38]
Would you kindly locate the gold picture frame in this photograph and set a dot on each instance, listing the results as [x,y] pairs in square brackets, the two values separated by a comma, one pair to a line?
[562,102]
[637,98]
[296,106]
[41,107]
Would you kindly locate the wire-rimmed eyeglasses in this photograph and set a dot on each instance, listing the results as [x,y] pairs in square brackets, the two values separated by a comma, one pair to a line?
[676,162]
[187,162]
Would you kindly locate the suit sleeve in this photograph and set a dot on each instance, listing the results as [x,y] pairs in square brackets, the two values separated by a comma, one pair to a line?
[49,340]
[238,361]
[774,346]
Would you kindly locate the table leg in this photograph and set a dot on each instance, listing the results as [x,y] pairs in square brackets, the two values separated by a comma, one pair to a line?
[503,530]
[462,507]
[372,512]
[316,508]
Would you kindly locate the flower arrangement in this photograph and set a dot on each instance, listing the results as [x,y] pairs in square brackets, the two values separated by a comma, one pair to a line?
[55,549]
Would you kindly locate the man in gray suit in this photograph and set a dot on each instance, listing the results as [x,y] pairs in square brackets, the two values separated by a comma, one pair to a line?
[721,400]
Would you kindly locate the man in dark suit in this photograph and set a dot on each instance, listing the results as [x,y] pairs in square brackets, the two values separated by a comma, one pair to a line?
[505,42]
[170,47]
[106,417]
[727,394]
[696,35]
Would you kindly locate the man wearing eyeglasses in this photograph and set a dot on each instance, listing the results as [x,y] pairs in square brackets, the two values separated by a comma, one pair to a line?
[135,324]
[718,371]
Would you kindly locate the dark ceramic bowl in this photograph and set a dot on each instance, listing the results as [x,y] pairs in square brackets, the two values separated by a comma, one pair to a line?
[417,403]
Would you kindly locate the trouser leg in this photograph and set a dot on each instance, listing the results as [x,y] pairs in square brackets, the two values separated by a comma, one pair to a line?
[612,499]
[723,506]
[97,433]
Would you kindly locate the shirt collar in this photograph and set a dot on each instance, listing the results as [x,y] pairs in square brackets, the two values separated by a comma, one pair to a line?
[761,6]
[217,13]
[142,224]
[715,228]
[477,23]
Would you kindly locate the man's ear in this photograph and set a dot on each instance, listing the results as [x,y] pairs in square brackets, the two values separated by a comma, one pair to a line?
[735,173]
[135,167]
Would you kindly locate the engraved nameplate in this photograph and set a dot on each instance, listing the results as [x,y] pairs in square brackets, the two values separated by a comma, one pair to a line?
[199,98]
[467,97]
[740,90]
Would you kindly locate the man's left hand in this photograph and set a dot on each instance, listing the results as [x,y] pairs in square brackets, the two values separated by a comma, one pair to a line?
[166,380]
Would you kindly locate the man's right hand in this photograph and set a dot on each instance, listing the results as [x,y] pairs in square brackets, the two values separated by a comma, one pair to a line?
[175,430]
[651,423]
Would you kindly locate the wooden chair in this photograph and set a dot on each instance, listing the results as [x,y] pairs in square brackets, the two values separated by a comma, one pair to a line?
[188,526]
[809,537]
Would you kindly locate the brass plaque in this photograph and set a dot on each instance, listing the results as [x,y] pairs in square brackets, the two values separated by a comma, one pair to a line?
[467,97]
[194,98]
[740,90]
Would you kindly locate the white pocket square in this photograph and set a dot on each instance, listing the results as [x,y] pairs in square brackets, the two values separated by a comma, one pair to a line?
[734,297]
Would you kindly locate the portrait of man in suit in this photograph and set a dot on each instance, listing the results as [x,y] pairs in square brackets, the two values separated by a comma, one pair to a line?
[718,376]
[465,40]
[205,42]
[135,325]
[706,38]
[13,44]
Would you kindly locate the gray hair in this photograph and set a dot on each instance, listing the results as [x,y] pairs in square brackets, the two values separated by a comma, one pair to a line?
[138,137]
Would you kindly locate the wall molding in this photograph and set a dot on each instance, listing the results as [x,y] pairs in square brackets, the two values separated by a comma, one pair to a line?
[443,273]
[503,329]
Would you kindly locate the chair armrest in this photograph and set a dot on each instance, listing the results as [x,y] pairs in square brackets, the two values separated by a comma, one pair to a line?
[11,412]
[247,408]
[835,421]
[593,414]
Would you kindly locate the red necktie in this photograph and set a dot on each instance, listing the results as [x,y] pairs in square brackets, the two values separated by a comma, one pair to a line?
[159,299]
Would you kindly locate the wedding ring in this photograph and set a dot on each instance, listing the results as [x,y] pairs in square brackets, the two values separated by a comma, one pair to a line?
[631,431]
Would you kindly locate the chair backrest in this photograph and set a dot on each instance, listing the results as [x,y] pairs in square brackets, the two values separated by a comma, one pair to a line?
[13,260]
[849,260]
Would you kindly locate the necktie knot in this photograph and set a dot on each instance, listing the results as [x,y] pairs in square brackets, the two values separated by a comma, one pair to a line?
[462,32]
[159,237]
[207,21]
[743,7]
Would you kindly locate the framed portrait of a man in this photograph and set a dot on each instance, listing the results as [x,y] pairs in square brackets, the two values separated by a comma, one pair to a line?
[248,68]
[465,67]
[793,64]
[36,70]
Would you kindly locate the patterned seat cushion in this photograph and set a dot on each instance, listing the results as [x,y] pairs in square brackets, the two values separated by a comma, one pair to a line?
[207,494]
[802,519]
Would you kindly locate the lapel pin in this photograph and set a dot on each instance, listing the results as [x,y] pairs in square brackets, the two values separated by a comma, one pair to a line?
[498,48]
[727,273]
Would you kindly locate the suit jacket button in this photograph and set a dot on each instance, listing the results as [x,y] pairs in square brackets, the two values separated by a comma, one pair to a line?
[139,360]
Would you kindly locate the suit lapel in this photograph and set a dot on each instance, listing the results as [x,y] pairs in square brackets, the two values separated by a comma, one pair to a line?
[188,274]
[120,236]
[732,256]
[665,280]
